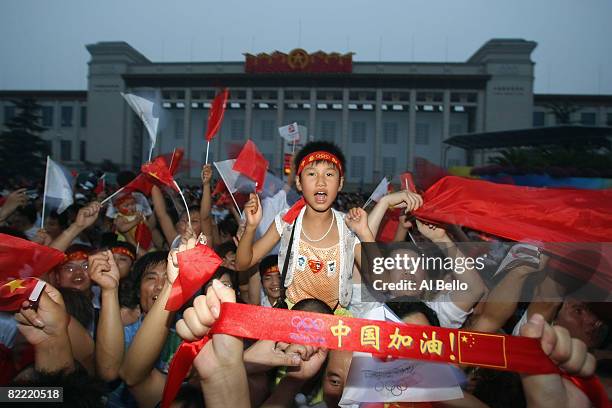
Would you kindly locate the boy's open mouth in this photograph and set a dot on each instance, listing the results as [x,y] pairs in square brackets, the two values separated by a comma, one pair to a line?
[320,197]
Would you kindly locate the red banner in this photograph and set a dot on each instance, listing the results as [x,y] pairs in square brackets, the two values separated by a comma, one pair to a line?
[299,60]
[436,344]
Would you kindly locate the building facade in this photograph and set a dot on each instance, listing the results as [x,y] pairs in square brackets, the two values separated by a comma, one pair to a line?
[382,114]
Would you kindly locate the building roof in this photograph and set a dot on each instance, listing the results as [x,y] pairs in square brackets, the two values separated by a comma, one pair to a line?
[44,95]
[539,136]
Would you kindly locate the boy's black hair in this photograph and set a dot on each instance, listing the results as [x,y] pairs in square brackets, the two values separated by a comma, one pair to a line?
[141,265]
[191,209]
[405,306]
[78,305]
[313,305]
[224,248]
[222,270]
[320,145]
[267,263]
[228,225]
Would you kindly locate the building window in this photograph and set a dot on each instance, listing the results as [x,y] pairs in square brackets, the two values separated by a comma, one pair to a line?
[66,150]
[66,116]
[588,118]
[9,113]
[237,129]
[328,130]
[267,129]
[179,128]
[47,116]
[83,116]
[82,151]
[390,132]
[422,134]
[609,121]
[357,167]
[358,132]
[538,119]
[389,166]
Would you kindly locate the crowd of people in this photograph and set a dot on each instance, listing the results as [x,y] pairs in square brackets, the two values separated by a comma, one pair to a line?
[101,329]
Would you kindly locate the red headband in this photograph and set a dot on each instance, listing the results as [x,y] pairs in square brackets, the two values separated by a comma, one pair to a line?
[76,256]
[123,251]
[320,156]
[271,270]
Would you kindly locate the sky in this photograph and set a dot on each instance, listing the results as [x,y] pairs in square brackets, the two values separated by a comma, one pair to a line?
[42,42]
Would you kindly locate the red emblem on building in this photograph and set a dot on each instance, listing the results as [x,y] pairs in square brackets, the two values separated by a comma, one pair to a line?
[298,60]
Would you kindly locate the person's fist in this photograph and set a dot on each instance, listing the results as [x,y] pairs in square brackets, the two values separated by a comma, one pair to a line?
[172,266]
[48,320]
[404,199]
[88,215]
[206,174]
[252,211]
[103,270]
[357,220]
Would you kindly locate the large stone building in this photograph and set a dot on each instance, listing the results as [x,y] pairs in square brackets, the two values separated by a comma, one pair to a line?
[382,114]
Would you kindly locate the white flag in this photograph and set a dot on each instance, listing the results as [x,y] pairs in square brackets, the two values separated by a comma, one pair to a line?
[292,132]
[234,181]
[143,107]
[381,189]
[58,187]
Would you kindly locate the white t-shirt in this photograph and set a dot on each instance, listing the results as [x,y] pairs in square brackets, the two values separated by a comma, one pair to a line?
[449,314]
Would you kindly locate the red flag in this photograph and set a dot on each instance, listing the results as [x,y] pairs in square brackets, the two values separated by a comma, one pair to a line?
[197,265]
[220,188]
[20,258]
[100,186]
[407,183]
[252,164]
[389,225]
[174,160]
[143,236]
[144,182]
[427,173]
[158,169]
[473,347]
[14,292]
[565,220]
[215,115]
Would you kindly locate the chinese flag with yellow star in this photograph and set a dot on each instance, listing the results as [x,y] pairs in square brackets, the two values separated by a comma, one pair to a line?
[20,258]
[14,292]
[483,349]
[158,169]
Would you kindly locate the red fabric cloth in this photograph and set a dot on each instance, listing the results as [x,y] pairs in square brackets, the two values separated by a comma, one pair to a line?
[427,173]
[158,170]
[143,236]
[197,266]
[407,182]
[215,115]
[251,163]
[427,343]
[20,258]
[294,211]
[389,225]
[14,292]
[562,220]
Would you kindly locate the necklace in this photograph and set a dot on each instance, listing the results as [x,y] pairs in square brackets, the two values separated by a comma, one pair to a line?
[324,235]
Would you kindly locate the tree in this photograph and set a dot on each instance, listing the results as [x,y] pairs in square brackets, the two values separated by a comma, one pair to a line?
[563,111]
[22,151]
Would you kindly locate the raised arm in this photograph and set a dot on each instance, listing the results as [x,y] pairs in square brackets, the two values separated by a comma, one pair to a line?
[109,333]
[14,200]
[206,222]
[86,217]
[164,220]
[400,199]
[248,252]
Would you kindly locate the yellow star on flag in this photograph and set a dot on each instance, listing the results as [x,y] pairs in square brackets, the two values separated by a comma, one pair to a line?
[14,285]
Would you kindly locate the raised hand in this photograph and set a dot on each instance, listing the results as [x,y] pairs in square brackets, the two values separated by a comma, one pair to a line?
[310,366]
[252,211]
[222,351]
[172,266]
[103,270]
[357,220]
[49,320]
[404,199]
[432,232]
[42,237]
[206,174]
[88,215]
[17,198]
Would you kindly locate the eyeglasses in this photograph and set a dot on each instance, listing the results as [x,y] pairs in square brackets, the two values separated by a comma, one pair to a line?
[73,268]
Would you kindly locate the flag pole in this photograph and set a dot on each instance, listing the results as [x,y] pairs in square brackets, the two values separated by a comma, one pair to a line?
[112,195]
[207,146]
[184,202]
[366,203]
[172,158]
[42,215]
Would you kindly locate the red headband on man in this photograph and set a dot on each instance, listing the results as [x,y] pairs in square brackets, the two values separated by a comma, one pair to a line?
[319,156]
[76,256]
[271,270]
[123,251]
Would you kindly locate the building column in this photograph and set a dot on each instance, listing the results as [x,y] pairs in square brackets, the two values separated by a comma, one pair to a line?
[312,114]
[412,129]
[344,135]
[446,114]
[280,118]
[480,112]
[377,169]
[187,127]
[248,113]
